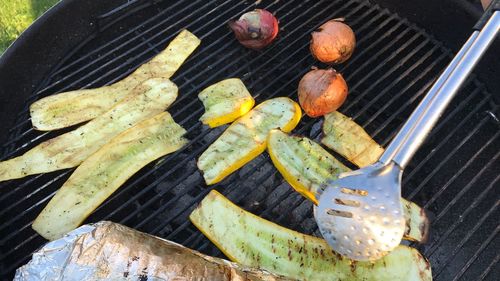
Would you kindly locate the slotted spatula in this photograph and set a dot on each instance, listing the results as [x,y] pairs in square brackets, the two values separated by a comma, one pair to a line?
[360,215]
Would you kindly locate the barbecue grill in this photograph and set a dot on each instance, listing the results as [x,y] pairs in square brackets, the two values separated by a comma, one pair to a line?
[455,175]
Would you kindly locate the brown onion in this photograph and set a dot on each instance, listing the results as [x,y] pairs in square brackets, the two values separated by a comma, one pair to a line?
[255,29]
[321,92]
[333,42]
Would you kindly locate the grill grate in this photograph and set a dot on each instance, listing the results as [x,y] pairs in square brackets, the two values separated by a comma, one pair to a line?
[455,175]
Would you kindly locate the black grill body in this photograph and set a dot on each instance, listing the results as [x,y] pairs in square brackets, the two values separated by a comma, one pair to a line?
[455,175]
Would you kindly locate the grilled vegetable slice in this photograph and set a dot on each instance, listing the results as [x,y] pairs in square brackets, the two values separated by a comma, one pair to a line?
[306,166]
[73,107]
[245,139]
[104,171]
[253,241]
[225,101]
[70,149]
[350,140]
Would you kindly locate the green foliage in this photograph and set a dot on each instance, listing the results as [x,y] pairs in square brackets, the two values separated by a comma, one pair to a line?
[17,15]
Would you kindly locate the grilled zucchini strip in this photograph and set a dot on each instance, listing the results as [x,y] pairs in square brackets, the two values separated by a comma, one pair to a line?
[105,171]
[253,241]
[74,107]
[245,139]
[306,166]
[350,140]
[225,101]
[70,149]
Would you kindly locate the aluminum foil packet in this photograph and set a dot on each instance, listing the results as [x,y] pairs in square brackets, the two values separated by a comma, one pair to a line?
[110,251]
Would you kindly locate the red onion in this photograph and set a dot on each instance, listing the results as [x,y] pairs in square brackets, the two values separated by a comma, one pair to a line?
[255,29]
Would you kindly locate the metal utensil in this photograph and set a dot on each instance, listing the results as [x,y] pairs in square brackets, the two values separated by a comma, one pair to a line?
[360,215]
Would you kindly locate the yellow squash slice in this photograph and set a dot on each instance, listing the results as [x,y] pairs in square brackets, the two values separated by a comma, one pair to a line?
[350,140]
[225,101]
[252,241]
[245,139]
[306,166]
[74,107]
[70,149]
[105,171]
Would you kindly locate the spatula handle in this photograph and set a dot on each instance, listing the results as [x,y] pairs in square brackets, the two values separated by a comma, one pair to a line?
[425,116]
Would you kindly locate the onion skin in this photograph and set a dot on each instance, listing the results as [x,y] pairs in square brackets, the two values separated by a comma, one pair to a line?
[333,42]
[321,92]
[256,29]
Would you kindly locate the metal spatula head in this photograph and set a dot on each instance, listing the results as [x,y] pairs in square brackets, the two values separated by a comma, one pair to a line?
[360,215]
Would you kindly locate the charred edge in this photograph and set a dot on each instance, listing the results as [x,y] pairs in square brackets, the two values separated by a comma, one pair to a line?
[424,226]
[423,272]
[353,265]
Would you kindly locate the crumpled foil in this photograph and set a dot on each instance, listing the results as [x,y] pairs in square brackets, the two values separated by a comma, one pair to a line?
[110,251]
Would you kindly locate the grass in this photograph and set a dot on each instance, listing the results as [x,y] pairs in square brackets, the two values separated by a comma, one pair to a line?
[17,15]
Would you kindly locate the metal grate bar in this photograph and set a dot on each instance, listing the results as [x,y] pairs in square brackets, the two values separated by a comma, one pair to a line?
[466,238]
[18,246]
[420,76]
[24,145]
[23,134]
[25,258]
[392,69]
[19,187]
[2,242]
[384,143]
[440,165]
[434,246]
[21,215]
[27,197]
[395,82]
[467,164]
[486,272]
[410,101]
[476,253]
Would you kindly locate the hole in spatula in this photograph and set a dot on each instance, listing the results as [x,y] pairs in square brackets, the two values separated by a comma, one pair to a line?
[347,202]
[333,212]
[351,191]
